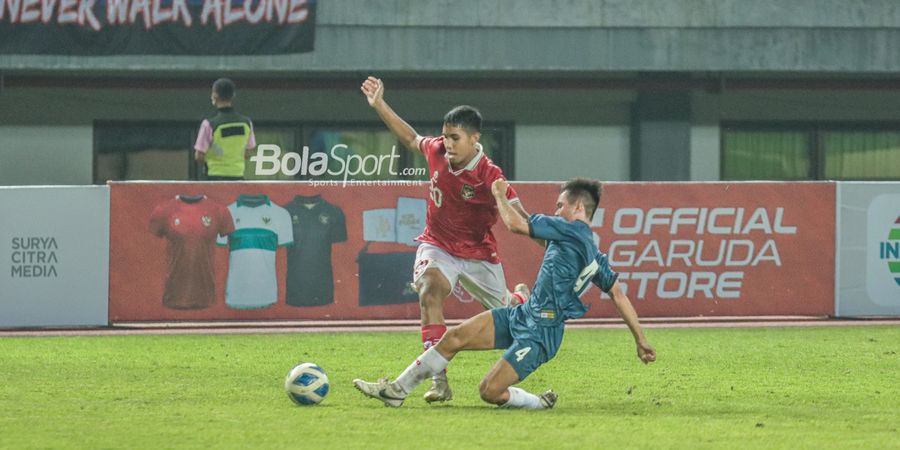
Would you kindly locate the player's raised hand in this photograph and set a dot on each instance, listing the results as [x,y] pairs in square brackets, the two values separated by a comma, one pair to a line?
[498,188]
[646,352]
[374,90]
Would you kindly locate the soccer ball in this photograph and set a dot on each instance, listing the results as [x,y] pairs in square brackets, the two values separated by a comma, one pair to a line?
[306,384]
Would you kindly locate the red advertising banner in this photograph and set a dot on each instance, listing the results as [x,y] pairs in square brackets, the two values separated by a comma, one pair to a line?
[347,252]
[721,249]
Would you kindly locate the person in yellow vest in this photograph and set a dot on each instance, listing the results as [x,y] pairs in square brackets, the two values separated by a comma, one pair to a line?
[226,139]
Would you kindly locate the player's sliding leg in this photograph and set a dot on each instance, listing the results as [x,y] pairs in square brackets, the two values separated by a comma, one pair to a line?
[433,287]
[476,333]
[497,388]
[524,354]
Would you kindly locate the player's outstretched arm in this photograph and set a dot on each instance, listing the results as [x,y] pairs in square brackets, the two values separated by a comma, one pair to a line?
[645,352]
[512,218]
[373,88]
[517,206]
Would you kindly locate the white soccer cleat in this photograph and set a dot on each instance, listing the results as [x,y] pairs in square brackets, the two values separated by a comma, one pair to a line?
[548,399]
[440,390]
[383,390]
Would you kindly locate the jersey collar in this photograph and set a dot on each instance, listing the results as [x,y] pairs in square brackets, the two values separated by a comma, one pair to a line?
[253,200]
[190,199]
[479,153]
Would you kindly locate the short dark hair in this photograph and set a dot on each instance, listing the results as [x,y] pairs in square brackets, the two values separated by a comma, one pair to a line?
[588,191]
[464,116]
[224,88]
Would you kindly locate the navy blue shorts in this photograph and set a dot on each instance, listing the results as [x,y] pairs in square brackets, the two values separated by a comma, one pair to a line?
[527,344]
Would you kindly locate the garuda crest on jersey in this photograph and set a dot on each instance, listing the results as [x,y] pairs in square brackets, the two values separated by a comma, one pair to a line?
[468,191]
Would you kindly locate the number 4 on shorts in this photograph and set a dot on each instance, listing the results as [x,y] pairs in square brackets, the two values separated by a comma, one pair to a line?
[520,354]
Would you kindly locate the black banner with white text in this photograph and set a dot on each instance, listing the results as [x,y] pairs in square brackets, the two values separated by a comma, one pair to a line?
[156,27]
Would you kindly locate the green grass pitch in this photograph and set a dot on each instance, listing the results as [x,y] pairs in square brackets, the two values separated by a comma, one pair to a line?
[808,387]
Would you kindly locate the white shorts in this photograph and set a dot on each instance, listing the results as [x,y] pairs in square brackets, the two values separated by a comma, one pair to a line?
[482,280]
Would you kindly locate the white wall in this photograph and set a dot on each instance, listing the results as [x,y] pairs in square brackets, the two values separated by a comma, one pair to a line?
[557,153]
[35,155]
[706,149]
[705,153]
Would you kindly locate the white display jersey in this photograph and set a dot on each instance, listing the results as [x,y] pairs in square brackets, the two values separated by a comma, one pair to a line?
[260,227]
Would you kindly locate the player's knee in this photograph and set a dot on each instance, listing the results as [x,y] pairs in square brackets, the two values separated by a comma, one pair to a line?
[429,294]
[490,392]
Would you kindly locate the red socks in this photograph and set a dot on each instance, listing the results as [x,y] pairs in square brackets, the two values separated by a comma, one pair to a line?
[517,298]
[431,334]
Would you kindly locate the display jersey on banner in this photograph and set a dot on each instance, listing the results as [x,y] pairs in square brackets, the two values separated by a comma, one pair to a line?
[54,256]
[190,224]
[682,249]
[317,225]
[157,27]
[260,228]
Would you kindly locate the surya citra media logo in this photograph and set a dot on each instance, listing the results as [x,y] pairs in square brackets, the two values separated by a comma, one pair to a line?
[883,250]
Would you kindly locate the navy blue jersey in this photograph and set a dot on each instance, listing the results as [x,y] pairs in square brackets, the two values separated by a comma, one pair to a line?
[570,262]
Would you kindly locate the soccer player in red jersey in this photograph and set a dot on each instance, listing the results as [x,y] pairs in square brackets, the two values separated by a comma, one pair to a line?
[457,245]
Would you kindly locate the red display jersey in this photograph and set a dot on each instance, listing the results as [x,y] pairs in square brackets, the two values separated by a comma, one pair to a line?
[461,208]
[190,225]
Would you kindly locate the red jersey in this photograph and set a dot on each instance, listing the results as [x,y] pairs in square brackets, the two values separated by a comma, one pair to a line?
[190,226]
[461,208]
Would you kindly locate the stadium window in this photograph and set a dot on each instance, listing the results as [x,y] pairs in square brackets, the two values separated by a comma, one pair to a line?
[765,155]
[826,151]
[143,151]
[861,155]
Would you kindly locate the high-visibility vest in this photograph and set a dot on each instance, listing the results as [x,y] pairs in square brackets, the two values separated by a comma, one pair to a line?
[231,132]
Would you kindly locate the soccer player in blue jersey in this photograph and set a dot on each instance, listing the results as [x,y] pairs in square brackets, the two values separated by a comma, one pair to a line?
[531,332]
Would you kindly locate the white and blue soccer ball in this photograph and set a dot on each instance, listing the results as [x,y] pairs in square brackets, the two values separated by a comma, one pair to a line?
[306,384]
